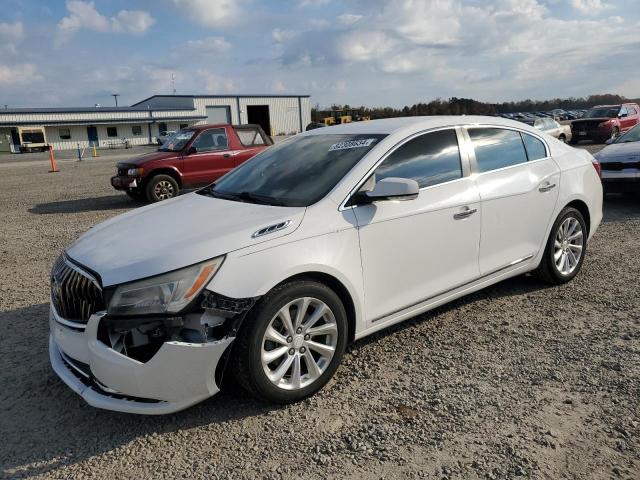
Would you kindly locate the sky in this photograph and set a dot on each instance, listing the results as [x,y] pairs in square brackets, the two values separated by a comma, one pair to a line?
[356,52]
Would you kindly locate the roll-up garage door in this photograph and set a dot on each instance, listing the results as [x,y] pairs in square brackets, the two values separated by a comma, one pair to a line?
[218,115]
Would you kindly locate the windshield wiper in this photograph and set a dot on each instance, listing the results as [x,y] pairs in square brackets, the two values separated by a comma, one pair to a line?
[247,197]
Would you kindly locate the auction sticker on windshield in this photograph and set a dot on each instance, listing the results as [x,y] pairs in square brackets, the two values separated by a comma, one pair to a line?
[364,142]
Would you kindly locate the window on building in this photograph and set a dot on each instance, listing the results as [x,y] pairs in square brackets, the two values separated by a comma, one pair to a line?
[65,133]
[497,148]
[535,148]
[184,125]
[112,131]
[136,130]
[209,140]
[429,159]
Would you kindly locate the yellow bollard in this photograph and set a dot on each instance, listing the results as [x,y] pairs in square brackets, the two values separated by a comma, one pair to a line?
[95,152]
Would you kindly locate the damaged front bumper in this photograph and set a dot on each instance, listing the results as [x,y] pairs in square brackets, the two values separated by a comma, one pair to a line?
[179,374]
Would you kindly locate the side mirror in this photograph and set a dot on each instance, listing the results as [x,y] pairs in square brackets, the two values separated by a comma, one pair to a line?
[622,115]
[391,188]
[191,150]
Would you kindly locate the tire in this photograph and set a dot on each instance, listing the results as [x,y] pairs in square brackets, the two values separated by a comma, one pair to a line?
[253,345]
[136,195]
[555,272]
[615,132]
[161,187]
[562,138]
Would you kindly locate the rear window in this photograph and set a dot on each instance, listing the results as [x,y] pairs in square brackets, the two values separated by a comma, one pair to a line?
[251,137]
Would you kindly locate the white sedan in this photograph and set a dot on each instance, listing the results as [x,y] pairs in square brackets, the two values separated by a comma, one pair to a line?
[318,241]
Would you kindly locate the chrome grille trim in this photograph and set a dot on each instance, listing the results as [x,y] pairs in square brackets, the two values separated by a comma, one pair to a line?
[75,293]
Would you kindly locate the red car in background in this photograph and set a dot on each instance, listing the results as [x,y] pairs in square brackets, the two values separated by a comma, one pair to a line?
[189,158]
[603,122]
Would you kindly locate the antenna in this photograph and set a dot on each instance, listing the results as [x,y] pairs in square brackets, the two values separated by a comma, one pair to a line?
[173,82]
[115,96]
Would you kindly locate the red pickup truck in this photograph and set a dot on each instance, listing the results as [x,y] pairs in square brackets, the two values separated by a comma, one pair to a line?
[189,158]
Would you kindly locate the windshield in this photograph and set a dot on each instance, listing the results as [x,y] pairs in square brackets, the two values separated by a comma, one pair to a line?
[608,112]
[295,173]
[632,135]
[176,141]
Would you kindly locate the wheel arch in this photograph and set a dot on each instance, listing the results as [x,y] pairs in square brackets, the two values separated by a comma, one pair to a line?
[583,208]
[164,171]
[338,287]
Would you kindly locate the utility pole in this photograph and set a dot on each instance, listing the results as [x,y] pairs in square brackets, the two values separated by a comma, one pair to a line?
[173,83]
[115,96]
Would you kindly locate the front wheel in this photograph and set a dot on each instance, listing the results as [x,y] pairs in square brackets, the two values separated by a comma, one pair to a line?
[291,343]
[565,249]
[162,187]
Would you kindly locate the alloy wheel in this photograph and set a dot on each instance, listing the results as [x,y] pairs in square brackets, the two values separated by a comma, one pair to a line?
[568,246]
[299,343]
[163,190]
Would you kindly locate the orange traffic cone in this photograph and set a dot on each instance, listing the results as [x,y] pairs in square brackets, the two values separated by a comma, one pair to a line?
[52,159]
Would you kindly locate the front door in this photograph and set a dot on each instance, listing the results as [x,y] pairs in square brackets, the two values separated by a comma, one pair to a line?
[518,184]
[417,249]
[209,159]
[92,135]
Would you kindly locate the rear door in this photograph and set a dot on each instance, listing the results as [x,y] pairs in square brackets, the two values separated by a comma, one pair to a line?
[209,158]
[518,184]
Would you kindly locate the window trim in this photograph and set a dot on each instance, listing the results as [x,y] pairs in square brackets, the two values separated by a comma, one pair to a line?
[464,161]
[472,154]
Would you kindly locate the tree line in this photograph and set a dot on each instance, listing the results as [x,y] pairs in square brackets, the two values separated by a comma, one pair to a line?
[468,106]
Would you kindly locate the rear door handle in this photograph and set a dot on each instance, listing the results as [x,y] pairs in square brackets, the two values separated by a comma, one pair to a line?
[464,213]
[548,186]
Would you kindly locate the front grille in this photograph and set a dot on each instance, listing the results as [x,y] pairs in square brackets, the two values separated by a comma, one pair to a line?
[122,172]
[75,294]
[617,166]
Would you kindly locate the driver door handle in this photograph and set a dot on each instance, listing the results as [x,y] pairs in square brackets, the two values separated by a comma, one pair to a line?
[467,212]
[546,187]
[226,155]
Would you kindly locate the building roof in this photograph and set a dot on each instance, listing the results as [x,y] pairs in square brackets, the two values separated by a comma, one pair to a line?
[86,109]
[222,96]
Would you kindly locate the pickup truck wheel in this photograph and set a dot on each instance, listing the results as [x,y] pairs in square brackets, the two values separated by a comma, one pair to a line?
[162,187]
[291,343]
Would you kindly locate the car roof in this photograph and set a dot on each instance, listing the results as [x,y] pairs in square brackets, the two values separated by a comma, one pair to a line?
[218,125]
[413,124]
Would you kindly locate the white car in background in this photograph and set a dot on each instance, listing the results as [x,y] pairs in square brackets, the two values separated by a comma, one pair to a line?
[320,240]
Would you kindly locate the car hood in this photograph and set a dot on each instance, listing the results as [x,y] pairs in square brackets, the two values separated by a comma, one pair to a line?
[148,157]
[629,151]
[175,233]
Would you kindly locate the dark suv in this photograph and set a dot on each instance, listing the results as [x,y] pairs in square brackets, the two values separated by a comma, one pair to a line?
[605,121]
[189,158]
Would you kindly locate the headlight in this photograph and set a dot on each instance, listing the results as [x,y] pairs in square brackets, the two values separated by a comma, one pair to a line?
[166,293]
[135,172]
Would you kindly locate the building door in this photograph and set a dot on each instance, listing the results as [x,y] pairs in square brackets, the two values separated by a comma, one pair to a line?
[92,134]
[259,114]
[218,115]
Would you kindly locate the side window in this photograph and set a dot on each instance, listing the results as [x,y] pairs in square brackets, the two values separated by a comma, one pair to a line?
[540,123]
[250,137]
[623,111]
[429,159]
[211,140]
[65,133]
[112,131]
[136,130]
[535,148]
[497,148]
[549,124]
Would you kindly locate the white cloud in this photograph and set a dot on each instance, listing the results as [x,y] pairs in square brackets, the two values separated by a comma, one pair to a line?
[210,45]
[590,7]
[348,18]
[364,46]
[281,36]
[20,74]
[313,3]
[210,13]
[214,83]
[10,35]
[83,15]
[278,86]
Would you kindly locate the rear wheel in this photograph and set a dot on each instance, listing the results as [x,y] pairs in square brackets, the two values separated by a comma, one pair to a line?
[292,342]
[565,249]
[162,187]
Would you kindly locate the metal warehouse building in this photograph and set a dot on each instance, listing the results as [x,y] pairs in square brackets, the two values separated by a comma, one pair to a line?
[141,123]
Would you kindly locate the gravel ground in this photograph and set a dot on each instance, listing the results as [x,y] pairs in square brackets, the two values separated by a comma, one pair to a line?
[517,380]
